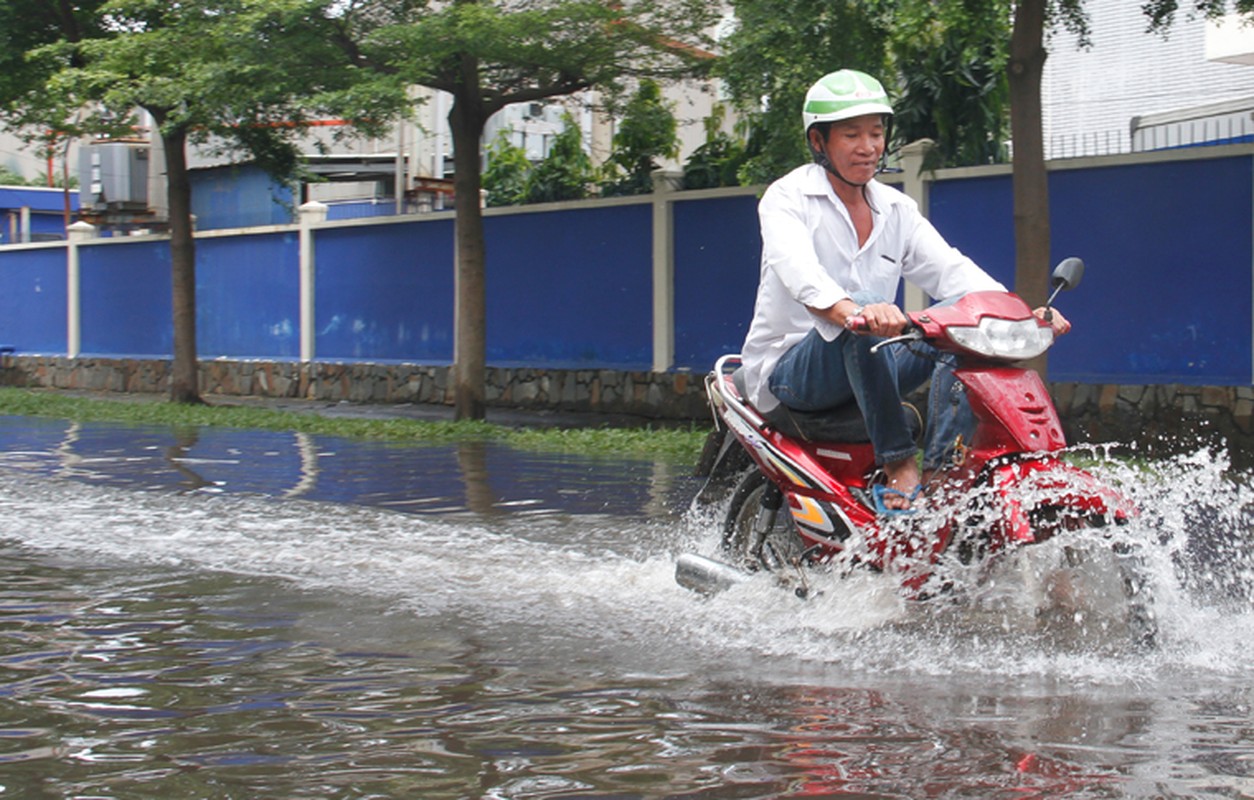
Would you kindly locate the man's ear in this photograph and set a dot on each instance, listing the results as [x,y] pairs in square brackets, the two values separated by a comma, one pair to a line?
[815,137]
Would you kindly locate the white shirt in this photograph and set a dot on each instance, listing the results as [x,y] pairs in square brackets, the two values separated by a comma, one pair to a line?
[810,257]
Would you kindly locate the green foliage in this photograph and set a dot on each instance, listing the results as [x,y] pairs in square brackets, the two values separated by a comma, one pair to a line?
[237,76]
[777,51]
[58,180]
[10,178]
[505,178]
[646,132]
[943,62]
[26,26]
[716,162]
[566,172]
[1162,12]
[523,52]
[951,62]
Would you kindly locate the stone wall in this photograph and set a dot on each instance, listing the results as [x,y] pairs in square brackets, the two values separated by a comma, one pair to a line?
[651,395]
[1153,417]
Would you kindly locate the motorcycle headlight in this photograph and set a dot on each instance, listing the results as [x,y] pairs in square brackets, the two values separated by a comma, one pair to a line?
[1014,340]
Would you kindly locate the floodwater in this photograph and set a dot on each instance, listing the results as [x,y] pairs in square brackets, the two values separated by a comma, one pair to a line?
[223,614]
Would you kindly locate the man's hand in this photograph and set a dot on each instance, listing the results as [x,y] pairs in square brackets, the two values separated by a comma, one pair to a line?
[881,319]
[1056,320]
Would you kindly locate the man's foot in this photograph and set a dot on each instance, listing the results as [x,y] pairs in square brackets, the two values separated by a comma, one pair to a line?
[901,479]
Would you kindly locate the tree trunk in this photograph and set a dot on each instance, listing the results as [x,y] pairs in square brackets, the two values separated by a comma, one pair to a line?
[467,118]
[1031,182]
[184,372]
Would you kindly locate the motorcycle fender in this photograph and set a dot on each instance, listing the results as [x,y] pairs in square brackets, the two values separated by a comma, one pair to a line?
[1019,406]
[1051,483]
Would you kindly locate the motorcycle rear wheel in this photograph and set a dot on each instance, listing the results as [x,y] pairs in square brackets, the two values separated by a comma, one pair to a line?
[781,547]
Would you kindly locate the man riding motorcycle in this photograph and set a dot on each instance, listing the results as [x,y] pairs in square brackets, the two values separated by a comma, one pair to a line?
[835,245]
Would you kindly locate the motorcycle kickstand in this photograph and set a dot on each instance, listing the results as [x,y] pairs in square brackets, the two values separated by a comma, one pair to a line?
[798,565]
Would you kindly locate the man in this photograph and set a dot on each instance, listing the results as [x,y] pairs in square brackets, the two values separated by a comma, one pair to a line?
[835,245]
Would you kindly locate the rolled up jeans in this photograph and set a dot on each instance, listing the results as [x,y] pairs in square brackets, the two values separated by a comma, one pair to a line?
[817,375]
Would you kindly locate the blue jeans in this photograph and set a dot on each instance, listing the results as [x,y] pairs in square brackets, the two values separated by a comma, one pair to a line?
[815,375]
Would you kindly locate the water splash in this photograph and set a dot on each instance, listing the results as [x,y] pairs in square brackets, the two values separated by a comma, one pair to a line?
[1060,608]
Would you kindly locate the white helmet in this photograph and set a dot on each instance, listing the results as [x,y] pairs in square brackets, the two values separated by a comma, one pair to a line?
[843,95]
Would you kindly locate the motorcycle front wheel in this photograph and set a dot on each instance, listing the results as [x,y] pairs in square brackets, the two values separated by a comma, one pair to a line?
[755,536]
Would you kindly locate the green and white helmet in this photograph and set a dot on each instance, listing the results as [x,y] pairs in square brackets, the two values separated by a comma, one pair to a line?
[843,95]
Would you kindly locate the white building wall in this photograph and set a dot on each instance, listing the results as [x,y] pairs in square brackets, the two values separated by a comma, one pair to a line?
[19,157]
[1090,96]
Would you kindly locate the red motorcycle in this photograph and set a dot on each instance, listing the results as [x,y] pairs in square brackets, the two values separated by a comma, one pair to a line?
[1005,488]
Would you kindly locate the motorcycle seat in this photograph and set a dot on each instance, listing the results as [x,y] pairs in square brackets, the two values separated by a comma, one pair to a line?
[844,423]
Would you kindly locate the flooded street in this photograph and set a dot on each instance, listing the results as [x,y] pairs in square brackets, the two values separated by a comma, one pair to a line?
[222,614]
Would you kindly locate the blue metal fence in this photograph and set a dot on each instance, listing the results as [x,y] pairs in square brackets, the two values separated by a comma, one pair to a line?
[33,300]
[126,299]
[385,292]
[1168,297]
[571,288]
[248,296]
[717,246]
[1169,248]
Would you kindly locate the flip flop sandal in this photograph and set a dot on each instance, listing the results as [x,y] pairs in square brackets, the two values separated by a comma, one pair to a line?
[879,491]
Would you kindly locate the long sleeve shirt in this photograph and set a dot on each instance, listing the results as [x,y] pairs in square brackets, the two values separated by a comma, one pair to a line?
[811,257]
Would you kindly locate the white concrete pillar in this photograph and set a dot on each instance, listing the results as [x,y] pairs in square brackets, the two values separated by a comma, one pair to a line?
[311,214]
[665,184]
[77,233]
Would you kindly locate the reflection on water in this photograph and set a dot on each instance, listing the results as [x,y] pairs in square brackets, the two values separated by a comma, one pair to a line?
[205,614]
[477,476]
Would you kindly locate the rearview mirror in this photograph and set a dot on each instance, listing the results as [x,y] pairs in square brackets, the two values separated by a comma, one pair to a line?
[1068,273]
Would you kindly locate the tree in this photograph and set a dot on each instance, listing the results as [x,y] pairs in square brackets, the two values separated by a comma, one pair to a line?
[717,161]
[234,76]
[505,179]
[943,62]
[26,25]
[943,58]
[488,55]
[778,49]
[647,132]
[566,172]
[1032,19]
[950,64]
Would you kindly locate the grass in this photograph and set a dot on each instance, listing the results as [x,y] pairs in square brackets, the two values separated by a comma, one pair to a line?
[681,445]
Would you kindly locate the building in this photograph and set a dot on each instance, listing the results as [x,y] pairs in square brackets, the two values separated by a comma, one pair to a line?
[1136,90]
[35,214]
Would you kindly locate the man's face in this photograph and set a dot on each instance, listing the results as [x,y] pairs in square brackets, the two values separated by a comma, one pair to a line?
[854,146]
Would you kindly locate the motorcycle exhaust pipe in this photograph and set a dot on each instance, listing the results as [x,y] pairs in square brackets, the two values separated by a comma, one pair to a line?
[705,575]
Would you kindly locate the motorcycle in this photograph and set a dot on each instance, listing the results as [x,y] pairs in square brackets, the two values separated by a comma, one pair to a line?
[801,485]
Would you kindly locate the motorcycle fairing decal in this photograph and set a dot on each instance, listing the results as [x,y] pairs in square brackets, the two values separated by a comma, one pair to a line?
[839,455]
[788,467]
[787,470]
[810,513]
